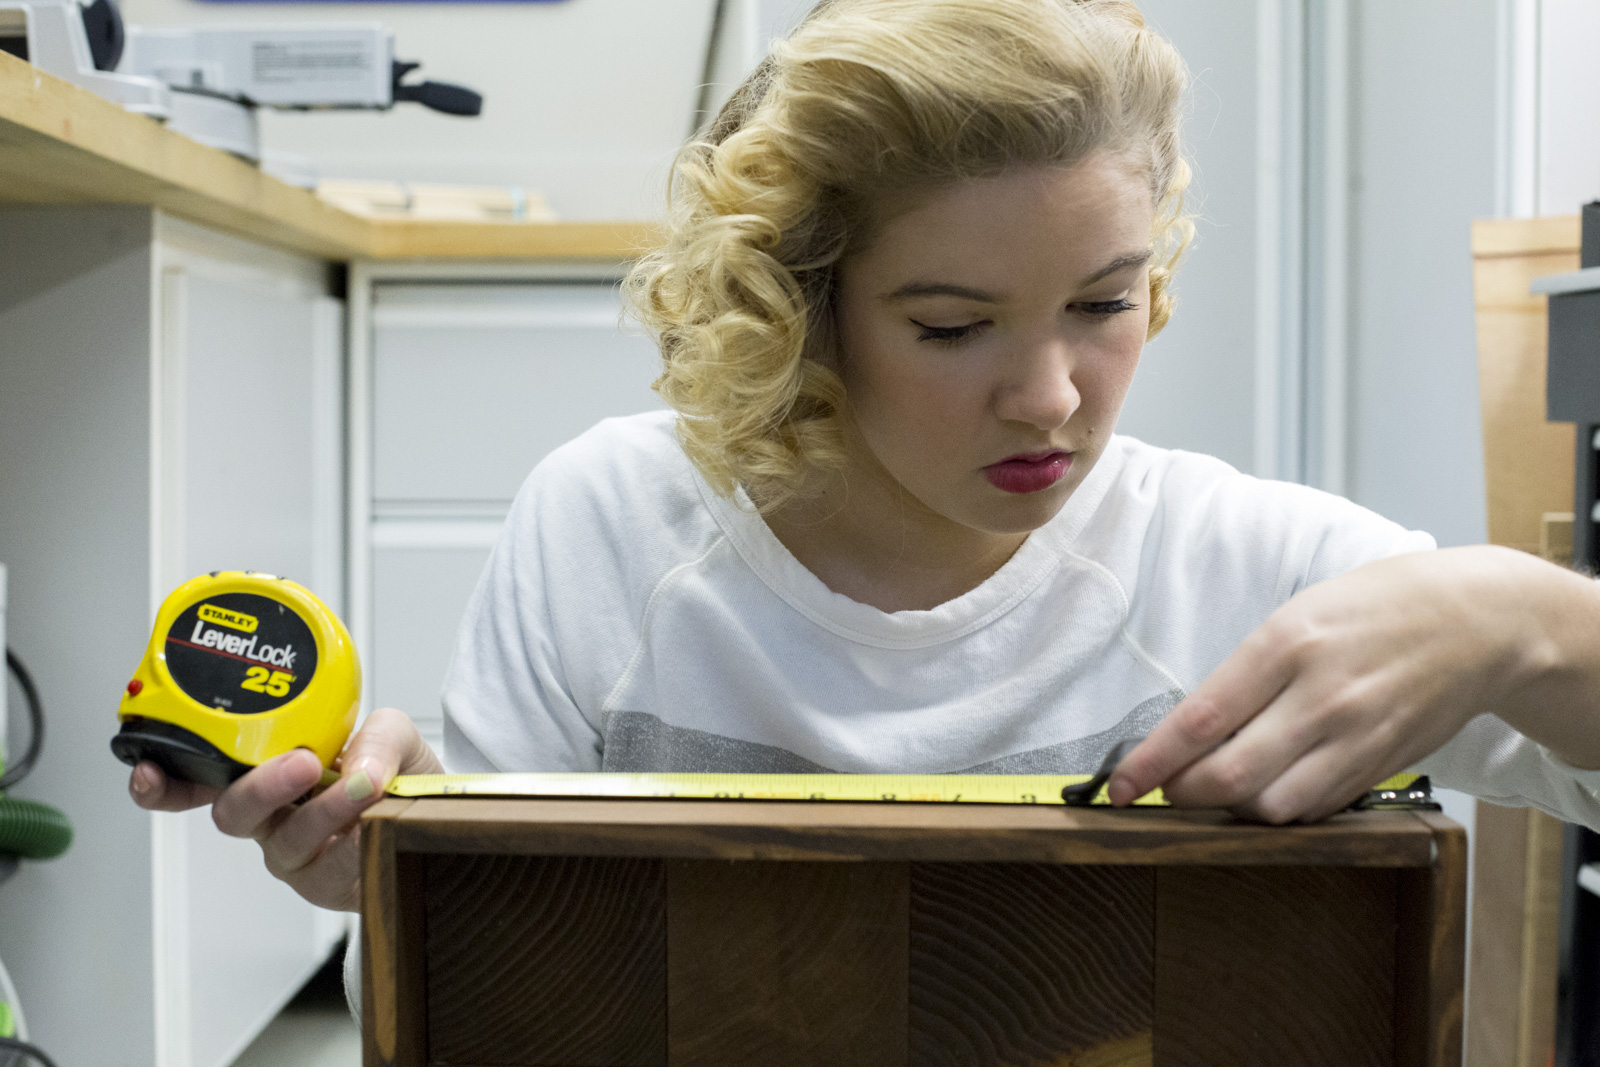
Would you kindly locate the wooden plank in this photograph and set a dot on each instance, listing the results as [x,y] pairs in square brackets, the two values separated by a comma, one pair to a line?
[1527,461]
[1274,966]
[678,829]
[1519,237]
[1511,1012]
[786,964]
[60,144]
[1015,963]
[393,1009]
[1528,473]
[1430,951]
[546,960]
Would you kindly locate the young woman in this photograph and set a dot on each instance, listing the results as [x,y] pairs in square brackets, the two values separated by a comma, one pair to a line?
[888,526]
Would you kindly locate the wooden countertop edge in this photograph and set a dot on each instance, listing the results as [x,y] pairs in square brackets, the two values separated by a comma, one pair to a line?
[61,144]
[607,241]
[912,832]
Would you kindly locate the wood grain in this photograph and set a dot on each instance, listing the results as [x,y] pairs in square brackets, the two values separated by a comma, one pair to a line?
[786,964]
[902,832]
[1275,966]
[60,144]
[394,1028]
[1430,951]
[1023,964]
[546,960]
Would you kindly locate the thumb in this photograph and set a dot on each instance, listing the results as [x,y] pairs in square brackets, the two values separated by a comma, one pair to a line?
[387,744]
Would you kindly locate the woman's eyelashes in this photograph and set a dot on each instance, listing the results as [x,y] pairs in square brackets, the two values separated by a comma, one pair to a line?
[946,335]
[1105,307]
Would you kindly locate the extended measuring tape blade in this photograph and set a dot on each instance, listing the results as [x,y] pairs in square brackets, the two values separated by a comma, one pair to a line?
[1402,790]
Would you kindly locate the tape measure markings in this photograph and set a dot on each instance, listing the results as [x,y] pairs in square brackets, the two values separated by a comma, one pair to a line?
[905,788]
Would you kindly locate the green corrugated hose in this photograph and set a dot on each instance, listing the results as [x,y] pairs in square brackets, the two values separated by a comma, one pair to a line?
[32,830]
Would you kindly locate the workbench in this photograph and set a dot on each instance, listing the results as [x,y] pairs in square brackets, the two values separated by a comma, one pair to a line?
[60,144]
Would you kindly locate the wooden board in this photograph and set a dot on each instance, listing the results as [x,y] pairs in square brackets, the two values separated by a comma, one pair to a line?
[1515,938]
[951,833]
[1528,474]
[60,144]
[1528,462]
[393,1006]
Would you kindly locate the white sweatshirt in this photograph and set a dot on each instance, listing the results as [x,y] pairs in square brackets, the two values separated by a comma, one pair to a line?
[631,619]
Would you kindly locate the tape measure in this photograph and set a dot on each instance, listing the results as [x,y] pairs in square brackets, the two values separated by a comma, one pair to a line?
[1400,791]
[241,667]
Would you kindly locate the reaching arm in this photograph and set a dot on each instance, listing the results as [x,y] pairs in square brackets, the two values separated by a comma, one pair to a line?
[1366,674]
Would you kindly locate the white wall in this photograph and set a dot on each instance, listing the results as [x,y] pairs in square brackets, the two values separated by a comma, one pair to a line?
[1568,99]
[584,100]
[80,922]
[1196,386]
[1423,145]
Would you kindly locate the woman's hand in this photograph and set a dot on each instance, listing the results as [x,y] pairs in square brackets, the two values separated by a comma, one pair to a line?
[315,846]
[1361,676]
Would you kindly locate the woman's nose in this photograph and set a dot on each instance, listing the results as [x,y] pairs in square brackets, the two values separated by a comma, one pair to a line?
[1040,391]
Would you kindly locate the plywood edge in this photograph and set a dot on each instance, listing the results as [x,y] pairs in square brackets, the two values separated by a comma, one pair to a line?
[1522,237]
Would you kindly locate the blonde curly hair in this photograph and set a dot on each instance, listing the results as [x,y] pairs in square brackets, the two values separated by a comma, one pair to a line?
[866,102]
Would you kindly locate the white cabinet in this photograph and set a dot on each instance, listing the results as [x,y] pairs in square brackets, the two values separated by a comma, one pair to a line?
[462,378]
[170,403]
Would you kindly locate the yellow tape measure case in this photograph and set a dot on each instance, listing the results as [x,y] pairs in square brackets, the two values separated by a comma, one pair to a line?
[241,667]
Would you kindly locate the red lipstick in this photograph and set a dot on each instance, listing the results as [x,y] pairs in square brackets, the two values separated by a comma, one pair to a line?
[1028,472]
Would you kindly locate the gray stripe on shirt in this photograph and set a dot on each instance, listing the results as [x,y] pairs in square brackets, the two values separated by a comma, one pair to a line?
[637,741]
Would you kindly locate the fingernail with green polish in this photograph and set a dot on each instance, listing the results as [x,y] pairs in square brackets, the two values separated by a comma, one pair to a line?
[359,785]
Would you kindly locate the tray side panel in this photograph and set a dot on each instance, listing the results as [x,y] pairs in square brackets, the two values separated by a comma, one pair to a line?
[1015,963]
[786,964]
[546,960]
[1275,965]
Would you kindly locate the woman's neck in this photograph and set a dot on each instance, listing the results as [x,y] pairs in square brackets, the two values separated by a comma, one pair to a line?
[868,539]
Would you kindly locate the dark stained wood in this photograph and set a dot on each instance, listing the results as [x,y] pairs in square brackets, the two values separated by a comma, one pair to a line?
[901,933]
[1017,963]
[1430,951]
[786,964]
[697,829]
[1273,966]
[394,1030]
[546,960]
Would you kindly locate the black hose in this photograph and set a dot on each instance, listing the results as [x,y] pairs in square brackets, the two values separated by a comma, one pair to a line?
[14,1045]
[19,770]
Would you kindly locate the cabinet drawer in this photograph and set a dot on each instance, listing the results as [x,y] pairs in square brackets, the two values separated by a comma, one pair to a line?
[474,383]
[419,593]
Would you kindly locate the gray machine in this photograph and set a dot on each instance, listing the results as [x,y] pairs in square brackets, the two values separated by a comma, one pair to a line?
[208,82]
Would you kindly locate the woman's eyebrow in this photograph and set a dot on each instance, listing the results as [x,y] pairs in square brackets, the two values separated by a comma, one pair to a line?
[911,289]
[1122,262]
[966,292]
